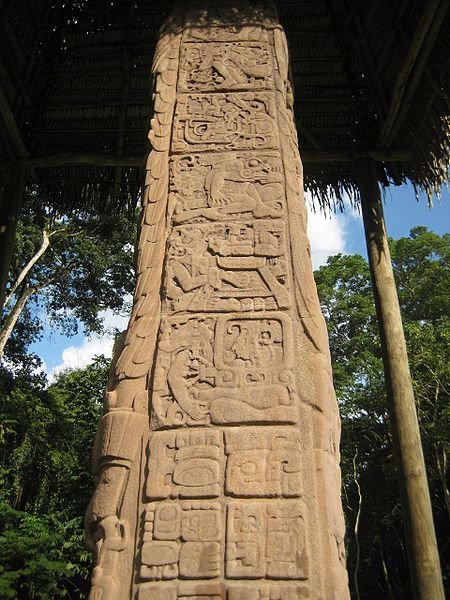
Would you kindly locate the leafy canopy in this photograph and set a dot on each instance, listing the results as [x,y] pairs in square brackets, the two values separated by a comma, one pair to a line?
[87,268]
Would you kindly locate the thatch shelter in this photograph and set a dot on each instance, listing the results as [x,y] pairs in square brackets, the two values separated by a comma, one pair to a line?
[371,79]
[372,107]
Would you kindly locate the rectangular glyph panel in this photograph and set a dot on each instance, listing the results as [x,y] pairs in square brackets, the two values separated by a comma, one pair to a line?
[226,186]
[200,590]
[227,267]
[182,540]
[185,464]
[266,539]
[228,121]
[225,369]
[225,66]
[263,462]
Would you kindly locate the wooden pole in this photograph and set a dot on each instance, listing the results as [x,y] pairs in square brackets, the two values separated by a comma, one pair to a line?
[10,204]
[423,557]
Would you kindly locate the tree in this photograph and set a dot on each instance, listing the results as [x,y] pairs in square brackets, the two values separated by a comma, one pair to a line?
[66,269]
[46,439]
[376,544]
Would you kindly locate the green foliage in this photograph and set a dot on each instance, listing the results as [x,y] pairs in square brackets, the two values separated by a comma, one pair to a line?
[41,556]
[46,438]
[421,265]
[46,433]
[347,303]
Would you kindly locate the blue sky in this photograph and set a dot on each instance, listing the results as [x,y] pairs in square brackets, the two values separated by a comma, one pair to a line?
[402,212]
[328,234]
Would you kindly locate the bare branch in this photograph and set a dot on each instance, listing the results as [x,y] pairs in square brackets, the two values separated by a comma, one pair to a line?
[11,320]
[27,268]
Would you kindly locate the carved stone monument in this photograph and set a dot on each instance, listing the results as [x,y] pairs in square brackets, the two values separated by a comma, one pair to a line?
[217,456]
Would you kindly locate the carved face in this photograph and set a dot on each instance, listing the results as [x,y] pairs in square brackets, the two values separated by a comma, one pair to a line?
[258,171]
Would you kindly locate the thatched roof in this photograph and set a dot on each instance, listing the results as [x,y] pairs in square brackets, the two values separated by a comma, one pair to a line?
[371,78]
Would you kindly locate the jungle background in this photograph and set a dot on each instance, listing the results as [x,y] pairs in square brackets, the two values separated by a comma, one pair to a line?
[47,428]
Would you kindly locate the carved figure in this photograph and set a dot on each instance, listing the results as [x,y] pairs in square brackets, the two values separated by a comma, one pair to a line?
[227,267]
[225,66]
[111,538]
[121,428]
[217,188]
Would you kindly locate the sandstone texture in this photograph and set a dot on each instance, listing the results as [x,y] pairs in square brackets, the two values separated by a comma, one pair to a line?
[217,456]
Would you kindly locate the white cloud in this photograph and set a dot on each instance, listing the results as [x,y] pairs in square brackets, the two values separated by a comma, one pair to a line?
[112,321]
[326,234]
[77,357]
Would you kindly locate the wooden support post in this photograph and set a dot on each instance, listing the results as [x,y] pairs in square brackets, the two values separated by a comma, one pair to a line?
[10,204]
[426,578]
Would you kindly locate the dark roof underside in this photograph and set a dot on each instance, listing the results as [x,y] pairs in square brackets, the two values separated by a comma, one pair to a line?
[371,78]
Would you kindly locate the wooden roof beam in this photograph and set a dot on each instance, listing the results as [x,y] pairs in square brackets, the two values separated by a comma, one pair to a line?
[436,92]
[304,132]
[13,132]
[11,127]
[109,160]
[12,78]
[367,53]
[412,69]
[339,156]
[392,36]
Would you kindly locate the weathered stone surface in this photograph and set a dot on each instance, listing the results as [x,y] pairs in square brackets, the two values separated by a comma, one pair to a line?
[217,457]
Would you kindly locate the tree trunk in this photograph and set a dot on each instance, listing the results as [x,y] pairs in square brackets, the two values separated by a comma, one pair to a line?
[356,528]
[423,557]
[442,470]
[11,320]
[10,204]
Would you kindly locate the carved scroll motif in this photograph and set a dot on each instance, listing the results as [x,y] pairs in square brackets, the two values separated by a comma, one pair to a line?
[126,399]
